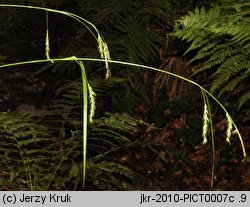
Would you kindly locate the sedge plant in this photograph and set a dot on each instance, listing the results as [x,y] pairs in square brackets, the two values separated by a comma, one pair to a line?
[89,95]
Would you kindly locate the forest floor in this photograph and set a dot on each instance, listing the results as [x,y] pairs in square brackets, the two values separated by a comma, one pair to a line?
[176,165]
[179,166]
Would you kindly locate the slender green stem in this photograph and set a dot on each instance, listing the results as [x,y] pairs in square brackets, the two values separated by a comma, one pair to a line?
[26,165]
[102,45]
[138,66]
[85,116]
[207,103]
[74,16]
[60,164]
[205,94]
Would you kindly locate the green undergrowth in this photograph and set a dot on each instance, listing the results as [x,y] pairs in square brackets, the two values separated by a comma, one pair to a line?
[40,157]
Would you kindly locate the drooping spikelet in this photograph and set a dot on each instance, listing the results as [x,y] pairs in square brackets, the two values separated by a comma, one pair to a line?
[229,127]
[104,52]
[47,47]
[205,124]
[92,96]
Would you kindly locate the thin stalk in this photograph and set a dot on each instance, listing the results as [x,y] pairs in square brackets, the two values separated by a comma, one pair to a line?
[60,164]
[25,165]
[138,66]
[207,103]
[85,116]
[102,45]
[74,16]
[205,94]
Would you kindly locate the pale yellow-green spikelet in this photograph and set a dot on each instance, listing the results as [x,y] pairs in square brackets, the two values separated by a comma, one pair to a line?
[47,47]
[229,127]
[104,52]
[92,96]
[205,124]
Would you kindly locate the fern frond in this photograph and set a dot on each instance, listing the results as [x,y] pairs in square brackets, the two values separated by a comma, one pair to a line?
[233,83]
[244,99]
[110,175]
[221,36]
[233,66]
[25,144]
[216,52]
